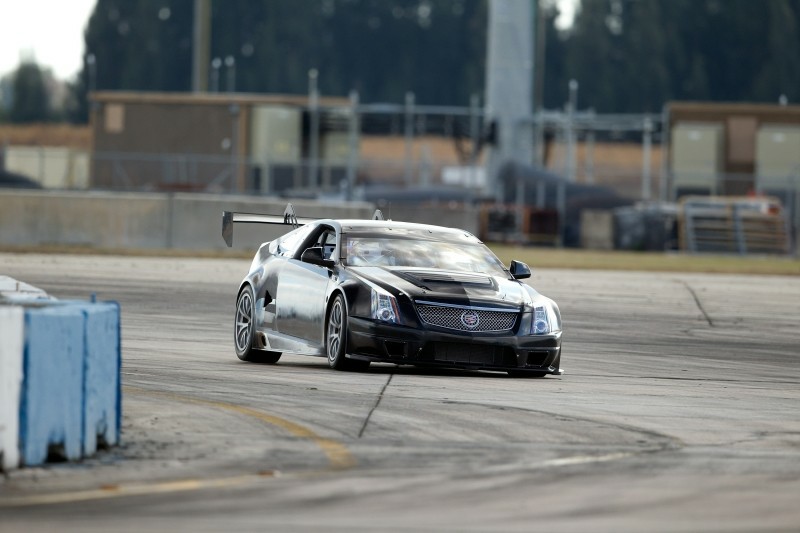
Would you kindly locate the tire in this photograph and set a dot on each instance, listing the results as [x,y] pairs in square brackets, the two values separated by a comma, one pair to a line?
[336,338]
[244,331]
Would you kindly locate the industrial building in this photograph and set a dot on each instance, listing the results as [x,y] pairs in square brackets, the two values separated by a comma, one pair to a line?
[225,142]
[733,149]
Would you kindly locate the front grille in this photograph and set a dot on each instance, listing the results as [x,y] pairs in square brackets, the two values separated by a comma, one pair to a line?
[467,318]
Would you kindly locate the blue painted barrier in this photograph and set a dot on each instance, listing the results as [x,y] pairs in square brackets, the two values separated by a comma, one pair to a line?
[70,395]
[52,383]
[102,397]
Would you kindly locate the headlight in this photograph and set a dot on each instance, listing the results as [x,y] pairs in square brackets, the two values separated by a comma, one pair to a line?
[540,324]
[384,306]
[546,318]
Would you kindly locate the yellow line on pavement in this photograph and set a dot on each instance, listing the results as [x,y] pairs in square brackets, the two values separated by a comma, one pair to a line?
[339,457]
[116,491]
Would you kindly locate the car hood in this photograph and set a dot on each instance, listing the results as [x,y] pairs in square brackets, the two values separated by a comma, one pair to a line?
[436,285]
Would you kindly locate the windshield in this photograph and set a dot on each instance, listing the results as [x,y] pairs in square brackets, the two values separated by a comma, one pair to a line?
[461,257]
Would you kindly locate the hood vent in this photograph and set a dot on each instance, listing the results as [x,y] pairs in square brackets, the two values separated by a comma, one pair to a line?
[461,278]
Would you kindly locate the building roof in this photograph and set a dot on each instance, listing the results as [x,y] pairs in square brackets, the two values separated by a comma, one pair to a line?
[142,97]
[716,112]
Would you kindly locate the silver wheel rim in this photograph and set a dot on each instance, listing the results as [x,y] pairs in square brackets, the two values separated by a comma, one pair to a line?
[335,330]
[244,317]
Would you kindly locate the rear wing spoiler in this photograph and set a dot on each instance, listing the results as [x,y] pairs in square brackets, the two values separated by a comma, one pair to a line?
[289,218]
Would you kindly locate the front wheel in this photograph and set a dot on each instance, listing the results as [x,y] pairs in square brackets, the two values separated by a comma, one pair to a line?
[336,338]
[244,331]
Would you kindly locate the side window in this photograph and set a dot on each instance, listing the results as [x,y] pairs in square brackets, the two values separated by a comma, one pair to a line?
[327,241]
[287,246]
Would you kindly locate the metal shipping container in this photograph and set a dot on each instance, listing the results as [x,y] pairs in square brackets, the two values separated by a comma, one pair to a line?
[777,157]
[696,157]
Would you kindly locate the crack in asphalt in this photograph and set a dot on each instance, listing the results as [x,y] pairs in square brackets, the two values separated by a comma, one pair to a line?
[745,381]
[697,301]
[661,441]
[377,403]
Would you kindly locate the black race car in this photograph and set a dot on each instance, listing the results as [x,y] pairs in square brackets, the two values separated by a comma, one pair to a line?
[357,291]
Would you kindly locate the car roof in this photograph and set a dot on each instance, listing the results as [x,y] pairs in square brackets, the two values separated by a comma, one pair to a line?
[408,228]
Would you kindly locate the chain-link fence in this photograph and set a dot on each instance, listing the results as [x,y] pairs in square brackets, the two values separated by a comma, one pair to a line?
[416,153]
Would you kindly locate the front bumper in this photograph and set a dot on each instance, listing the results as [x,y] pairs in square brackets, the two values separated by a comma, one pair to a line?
[375,341]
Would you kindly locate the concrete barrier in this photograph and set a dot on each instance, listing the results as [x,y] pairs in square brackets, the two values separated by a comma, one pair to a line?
[51,402]
[196,219]
[102,390]
[189,221]
[11,334]
[145,220]
[60,388]
[93,219]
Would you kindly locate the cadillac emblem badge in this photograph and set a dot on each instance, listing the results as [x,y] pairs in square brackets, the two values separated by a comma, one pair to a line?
[470,319]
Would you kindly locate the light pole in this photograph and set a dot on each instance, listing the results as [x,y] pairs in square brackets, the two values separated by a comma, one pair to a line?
[409,137]
[571,109]
[216,63]
[230,70]
[91,66]
[353,132]
[313,110]
[561,191]
[647,144]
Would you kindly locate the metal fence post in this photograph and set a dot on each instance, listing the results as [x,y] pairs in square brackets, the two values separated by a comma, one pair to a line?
[571,108]
[216,63]
[647,145]
[353,143]
[663,178]
[235,182]
[589,159]
[409,136]
[230,74]
[313,146]
[474,135]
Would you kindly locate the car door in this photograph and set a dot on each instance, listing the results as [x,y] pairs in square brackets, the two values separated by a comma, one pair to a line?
[302,288]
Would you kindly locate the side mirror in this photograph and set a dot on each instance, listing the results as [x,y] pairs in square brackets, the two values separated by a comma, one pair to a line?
[314,257]
[519,270]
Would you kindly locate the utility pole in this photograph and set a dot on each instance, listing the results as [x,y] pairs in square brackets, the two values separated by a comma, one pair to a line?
[509,85]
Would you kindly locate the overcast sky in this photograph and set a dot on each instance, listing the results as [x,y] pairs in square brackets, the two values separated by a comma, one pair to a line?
[51,31]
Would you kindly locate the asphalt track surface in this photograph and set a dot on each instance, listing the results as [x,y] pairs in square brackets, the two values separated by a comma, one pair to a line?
[679,411]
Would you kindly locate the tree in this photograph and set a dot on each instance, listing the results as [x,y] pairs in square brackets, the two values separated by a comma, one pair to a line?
[635,55]
[30,98]
[779,74]
[383,48]
[144,45]
[627,55]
